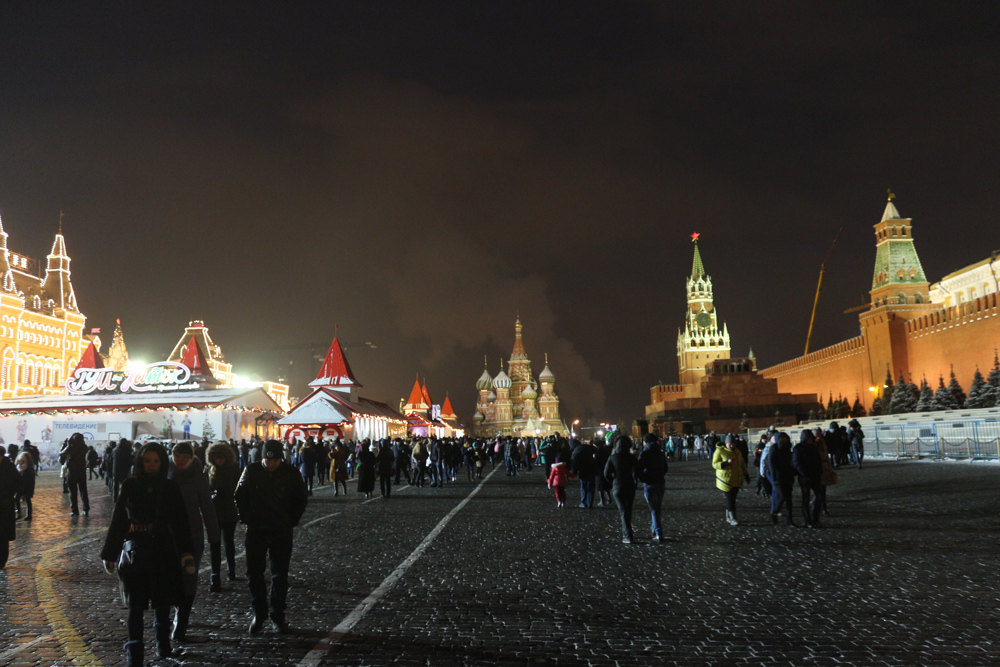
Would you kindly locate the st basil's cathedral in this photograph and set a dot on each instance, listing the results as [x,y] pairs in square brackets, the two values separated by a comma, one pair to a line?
[510,403]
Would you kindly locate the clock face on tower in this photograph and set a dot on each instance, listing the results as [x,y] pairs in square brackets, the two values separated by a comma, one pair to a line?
[703,320]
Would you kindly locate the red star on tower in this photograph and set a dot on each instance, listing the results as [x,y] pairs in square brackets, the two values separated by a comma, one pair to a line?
[694,237]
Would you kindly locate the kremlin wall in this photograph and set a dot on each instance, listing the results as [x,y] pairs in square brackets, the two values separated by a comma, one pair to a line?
[911,327]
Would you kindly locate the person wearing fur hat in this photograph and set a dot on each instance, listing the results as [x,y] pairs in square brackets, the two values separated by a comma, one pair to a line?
[149,544]
[223,476]
[270,498]
[730,471]
[188,471]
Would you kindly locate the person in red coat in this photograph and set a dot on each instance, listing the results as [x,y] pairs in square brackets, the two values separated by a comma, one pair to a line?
[558,477]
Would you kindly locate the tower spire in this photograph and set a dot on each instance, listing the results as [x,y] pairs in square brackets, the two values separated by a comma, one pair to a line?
[697,268]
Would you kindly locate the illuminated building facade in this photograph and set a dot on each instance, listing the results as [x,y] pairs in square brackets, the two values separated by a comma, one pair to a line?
[41,326]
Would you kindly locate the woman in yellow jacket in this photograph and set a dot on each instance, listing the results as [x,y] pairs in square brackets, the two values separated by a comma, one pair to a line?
[730,469]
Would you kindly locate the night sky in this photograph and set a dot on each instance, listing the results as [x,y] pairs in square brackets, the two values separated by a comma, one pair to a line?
[419,173]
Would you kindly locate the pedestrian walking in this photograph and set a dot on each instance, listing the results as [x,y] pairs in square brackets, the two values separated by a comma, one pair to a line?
[188,472]
[385,461]
[93,463]
[602,485]
[74,457]
[620,470]
[10,484]
[366,469]
[338,467]
[828,477]
[777,462]
[583,462]
[149,544]
[271,498]
[856,436]
[730,471]
[26,491]
[122,465]
[807,464]
[651,470]
[223,476]
[307,463]
[558,478]
[36,455]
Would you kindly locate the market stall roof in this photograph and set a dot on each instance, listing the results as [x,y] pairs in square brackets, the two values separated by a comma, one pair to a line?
[254,399]
[322,409]
[325,403]
[335,372]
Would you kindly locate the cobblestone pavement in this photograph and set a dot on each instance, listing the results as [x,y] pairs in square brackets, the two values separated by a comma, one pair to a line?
[904,573]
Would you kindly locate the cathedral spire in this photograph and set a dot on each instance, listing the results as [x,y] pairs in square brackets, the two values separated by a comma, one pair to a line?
[697,268]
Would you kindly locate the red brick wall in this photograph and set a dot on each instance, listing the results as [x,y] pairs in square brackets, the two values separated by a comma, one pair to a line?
[964,335]
[840,368]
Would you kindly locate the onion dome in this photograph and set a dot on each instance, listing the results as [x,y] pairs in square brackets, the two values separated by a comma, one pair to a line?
[501,381]
[546,376]
[478,417]
[529,393]
[485,382]
[490,397]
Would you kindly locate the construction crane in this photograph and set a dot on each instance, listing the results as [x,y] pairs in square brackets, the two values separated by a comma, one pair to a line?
[819,286]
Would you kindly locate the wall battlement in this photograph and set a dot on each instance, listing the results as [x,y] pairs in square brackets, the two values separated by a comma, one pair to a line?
[946,318]
[849,347]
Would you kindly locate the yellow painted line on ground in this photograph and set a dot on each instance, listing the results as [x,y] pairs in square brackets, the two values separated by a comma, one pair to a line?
[74,646]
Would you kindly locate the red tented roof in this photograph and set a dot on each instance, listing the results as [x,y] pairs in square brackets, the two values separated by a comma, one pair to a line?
[416,397]
[194,359]
[427,395]
[336,372]
[91,358]
[446,409]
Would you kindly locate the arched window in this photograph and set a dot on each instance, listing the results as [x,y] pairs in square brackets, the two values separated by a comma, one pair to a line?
[901,297]
[917,298]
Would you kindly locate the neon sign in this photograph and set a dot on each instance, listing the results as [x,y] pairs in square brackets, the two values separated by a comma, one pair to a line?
[161,376]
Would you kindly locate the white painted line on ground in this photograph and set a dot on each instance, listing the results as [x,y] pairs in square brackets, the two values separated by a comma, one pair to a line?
[313,658]
[22,647]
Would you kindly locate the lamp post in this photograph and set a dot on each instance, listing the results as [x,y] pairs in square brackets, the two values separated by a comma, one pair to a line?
[573,430]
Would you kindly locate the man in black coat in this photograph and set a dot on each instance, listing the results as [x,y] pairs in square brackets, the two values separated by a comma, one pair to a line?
[620,470]
[583,462]
[10,484]
[808,464]
[271,498]
[121,465]
[779,470]
[74,457]
[651,471]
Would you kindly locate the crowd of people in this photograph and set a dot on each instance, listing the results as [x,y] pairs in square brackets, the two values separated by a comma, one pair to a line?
[169,499]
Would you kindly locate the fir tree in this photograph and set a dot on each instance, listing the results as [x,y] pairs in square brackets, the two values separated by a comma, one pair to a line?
[914,390]
[857,410]
[977,391]
[926,401]
[994,377]
[944,399]
[902,400]
[956,389]
[886,392]
[831,410]
[876,407]
[844,408]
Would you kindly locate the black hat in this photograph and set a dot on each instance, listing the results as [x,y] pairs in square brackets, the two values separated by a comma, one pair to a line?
[182,448]
[274,450]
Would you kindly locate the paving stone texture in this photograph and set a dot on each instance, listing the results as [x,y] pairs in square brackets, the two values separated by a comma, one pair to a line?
[904,573]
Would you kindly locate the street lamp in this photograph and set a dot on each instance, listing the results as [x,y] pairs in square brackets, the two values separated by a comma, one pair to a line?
[575,422]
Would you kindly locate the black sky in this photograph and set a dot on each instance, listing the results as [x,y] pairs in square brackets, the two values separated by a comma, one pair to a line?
[418,173]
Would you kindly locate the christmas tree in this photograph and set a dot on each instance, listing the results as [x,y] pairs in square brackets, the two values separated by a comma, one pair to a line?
[117,354]
[207,431]
[857,410]
[956,389]
[876,407]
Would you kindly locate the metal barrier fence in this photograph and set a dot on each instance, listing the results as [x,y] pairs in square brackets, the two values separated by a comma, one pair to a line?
[960,439]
